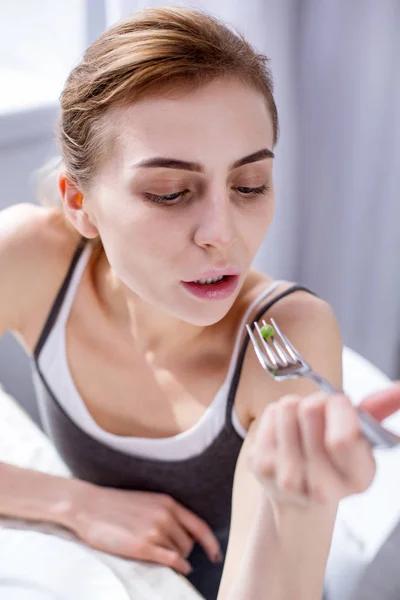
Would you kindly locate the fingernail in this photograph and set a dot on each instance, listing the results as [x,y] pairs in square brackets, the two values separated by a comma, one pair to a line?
[218,557]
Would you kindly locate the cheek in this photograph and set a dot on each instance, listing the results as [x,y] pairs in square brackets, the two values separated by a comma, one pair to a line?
[125,227]
[141,243]
[258,223]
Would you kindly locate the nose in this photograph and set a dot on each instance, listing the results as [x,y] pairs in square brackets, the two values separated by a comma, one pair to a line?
[216,228]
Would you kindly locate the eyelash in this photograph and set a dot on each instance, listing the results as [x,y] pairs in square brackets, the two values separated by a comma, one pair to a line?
[167,199]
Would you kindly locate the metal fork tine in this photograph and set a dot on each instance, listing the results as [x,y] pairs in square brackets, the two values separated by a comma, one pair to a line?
[377,435]
[291,350]
[286,359]
[280,351]
[260,355]
[267,349]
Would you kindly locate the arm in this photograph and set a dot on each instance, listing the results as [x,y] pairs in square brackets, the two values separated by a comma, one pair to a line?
[35,496]
[26,233]
[281,551]
[281,548]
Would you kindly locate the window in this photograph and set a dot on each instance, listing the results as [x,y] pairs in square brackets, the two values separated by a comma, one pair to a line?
[40,42]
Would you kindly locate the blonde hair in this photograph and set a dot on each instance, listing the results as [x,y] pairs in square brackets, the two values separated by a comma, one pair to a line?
[156,49]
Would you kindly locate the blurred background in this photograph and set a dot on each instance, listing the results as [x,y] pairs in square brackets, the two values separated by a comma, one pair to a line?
[337,79]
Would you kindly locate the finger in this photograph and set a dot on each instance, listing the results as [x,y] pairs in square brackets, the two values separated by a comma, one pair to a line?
[164,556]
[290,460]
[348,449]
[312,425]
[342,422]
[383,403]
[200,531]
[267,431]
[264,457]
[342,432]
[263,452]
[324,483]
[181,540]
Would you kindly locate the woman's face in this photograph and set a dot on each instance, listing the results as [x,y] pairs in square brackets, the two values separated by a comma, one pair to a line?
[187,190]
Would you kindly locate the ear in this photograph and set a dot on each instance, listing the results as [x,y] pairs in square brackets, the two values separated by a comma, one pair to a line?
[73,202]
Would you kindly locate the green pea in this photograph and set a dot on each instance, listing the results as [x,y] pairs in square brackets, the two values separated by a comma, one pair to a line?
[267,331]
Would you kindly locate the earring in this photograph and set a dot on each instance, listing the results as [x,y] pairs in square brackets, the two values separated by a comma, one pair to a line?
[79,199]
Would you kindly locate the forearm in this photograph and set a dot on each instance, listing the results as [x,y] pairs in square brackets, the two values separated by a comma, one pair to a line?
[32,495]
[286,554]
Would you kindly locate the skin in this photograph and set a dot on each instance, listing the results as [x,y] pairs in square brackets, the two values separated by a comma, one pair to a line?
[301,455]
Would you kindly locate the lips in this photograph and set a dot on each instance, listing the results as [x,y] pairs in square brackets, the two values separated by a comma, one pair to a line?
[216,272]
[212,291]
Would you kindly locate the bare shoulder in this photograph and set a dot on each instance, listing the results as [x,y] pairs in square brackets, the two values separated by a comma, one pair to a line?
[31,231]
[310,324]
[35,246]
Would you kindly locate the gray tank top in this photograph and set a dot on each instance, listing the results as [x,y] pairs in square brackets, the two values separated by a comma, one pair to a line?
[203,483]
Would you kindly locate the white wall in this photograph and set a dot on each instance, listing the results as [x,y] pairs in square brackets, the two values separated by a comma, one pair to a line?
[26,141]
[42,36]
[40,42]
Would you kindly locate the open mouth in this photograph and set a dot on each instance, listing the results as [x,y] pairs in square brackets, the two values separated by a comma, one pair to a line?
[217,288]
[214,281]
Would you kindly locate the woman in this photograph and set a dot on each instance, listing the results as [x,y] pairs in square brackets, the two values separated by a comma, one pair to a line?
[167,132]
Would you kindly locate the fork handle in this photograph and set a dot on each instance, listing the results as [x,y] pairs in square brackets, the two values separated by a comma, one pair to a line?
[324,383]
[378,436]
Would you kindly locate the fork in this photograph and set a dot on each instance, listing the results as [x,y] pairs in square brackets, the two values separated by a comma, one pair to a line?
[282,361]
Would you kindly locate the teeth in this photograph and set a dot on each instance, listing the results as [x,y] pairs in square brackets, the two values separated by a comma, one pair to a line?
[214,280]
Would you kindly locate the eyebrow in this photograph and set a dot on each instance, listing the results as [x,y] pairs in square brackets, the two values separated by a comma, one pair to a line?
[173,163]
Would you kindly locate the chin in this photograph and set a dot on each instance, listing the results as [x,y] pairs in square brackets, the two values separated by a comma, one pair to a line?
[209,315]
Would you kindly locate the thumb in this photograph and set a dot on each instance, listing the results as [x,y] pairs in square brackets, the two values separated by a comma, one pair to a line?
[383,403]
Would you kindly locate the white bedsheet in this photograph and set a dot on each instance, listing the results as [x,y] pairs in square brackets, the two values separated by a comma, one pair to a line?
[23,444]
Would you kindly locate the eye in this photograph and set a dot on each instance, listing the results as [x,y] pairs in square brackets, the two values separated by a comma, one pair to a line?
[252,191]
[166,198]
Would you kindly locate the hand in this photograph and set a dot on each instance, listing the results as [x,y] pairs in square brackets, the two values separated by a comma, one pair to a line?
[140,525]
[311,450]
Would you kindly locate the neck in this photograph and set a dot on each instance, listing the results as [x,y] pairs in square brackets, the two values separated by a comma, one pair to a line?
[159,334]
[155,333]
